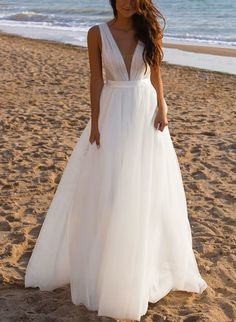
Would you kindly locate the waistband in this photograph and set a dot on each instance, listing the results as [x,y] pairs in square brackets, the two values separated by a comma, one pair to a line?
[127,83]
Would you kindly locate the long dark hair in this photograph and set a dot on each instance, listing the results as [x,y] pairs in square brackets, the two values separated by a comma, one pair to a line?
[148,29]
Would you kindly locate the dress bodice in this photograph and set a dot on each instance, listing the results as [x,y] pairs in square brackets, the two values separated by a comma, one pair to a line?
[113,61]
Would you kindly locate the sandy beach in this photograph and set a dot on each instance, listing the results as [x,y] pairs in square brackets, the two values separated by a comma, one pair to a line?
[44,107]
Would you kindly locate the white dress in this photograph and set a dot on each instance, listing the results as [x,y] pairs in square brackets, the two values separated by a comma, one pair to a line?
[117,229]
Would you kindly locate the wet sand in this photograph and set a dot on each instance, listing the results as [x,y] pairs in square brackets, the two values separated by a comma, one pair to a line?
[44,107]
[219,51]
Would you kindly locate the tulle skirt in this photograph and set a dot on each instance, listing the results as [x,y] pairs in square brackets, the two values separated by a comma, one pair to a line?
[117,229]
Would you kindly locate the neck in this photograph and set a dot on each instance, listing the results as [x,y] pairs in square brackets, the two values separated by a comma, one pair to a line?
[122,22]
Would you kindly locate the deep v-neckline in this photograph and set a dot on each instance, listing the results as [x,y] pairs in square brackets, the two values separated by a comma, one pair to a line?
[119,51]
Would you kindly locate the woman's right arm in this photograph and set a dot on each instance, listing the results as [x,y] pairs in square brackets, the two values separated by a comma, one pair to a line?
[96,80]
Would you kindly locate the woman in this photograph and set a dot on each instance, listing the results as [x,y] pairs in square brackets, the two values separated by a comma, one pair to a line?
[117,229]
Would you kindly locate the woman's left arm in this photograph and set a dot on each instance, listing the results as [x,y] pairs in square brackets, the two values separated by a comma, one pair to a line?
[162,108]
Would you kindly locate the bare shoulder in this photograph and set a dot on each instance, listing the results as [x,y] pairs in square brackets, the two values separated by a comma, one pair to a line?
[94,32]
[93,35]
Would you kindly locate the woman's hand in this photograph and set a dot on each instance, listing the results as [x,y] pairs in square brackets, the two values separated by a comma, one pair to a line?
[161,118]
[95,136]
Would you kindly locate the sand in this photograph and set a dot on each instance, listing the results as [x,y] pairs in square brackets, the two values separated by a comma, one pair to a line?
[44,106]
[219,51]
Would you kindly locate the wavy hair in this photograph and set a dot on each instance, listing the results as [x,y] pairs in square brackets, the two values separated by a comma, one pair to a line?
[147,29]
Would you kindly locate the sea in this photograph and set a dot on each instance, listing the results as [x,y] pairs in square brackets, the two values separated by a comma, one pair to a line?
[203,22]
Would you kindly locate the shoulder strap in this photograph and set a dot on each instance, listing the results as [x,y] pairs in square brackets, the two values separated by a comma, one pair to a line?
[107,40]
[102,34]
